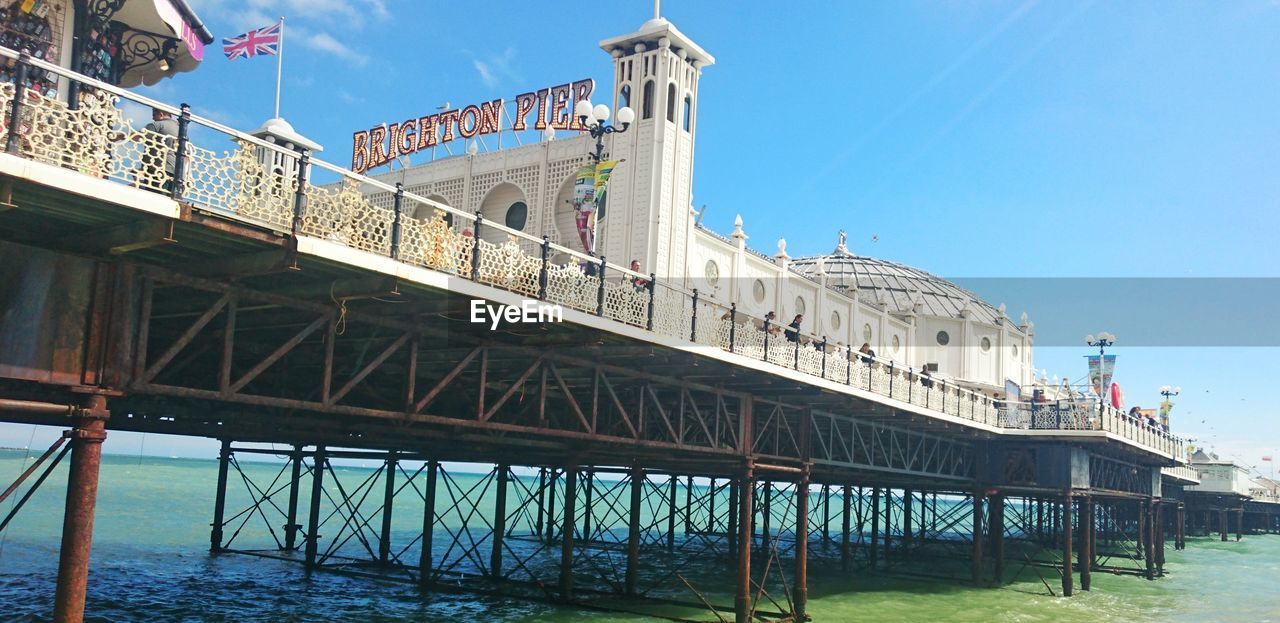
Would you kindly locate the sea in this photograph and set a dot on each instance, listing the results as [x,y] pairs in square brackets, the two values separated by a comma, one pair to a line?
[151,562]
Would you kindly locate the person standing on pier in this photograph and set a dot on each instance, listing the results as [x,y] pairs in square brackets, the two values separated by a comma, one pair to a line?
[793,332]
[164,149]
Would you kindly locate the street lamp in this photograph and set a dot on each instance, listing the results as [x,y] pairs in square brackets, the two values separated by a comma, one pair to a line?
[593,118]
[1169,392]
[1103,340]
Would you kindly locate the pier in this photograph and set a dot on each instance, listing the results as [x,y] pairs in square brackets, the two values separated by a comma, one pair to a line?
[280,311]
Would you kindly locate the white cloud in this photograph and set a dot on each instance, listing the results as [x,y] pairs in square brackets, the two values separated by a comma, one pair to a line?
[486,75]
[495,68]
[324,42]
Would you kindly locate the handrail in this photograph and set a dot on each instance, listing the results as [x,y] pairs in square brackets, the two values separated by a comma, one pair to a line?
[292,203]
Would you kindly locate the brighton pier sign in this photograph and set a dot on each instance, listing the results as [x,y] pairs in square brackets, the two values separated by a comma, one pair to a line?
[554,109]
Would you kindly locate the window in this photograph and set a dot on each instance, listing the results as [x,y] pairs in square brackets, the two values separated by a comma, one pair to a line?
[624,97]
[712,272]
[757,290]
[943,338]
[986,344]
[1015,351]
[835,321]
[671,102]
[866,333]
[646,111]
[897,344]
[800,305]
[517,215]
[688,111]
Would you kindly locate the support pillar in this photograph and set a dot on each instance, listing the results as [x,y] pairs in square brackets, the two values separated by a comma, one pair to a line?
[1222,524]
[566,532]
[765,512]
[220,498]
[87,434]
[291,525]
[1239,524]
[1066,546]
[742,592]
[977,537]
[317,490]
[1180,529]
[1148,545]
[1086,542]
[1159,540]
[732,513]
[671,519]
[425,561]
[633,530]
[499,520]
[542,501]
[551,507]
[801,595]
[844,528]
[873,554]
[907,531]
[388,498]
[995,530]
[587,508]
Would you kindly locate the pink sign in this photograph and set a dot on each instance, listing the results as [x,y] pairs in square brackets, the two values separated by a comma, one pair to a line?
[194,44]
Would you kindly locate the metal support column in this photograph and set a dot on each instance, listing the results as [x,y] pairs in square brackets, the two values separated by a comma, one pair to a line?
[801,594]
[291,525]
[742,592]
[633,529]
[1222,524]
[1148,548]
[566,532]
[499,520]
[1239,523]
[1066,545]
[426,562]
[87,434]
[220,498]
[1087,544]
[873,554]
[844,528]
[1159,540]
[977,537]
[907,531]
[317,490]
[672,484]
[995,528]
[388,498]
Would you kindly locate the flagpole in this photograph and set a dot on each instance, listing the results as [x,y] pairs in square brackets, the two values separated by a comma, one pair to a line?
[279,65]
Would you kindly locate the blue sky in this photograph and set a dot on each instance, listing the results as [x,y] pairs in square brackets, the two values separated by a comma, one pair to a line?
[975,139]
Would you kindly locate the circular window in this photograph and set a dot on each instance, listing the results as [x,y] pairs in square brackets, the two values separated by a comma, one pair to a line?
[866,333]
[986,344]
[897,344]
[799,305]
[835,321]
[1015,350]
[757,290]
[713,272]
[943,338]
[517,215]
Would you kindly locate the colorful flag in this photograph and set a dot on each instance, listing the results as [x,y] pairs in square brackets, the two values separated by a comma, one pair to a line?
[261,41]
[603,170]
[583,205]
[1101,369]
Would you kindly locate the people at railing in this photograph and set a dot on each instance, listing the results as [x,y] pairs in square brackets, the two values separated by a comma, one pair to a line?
[926,380]
[770,325]
[639,283]
[868,355]
[793,330]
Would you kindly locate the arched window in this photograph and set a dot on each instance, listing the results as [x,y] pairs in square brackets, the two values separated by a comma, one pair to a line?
[671,102]
[688,111]
[647,112]
[624,97]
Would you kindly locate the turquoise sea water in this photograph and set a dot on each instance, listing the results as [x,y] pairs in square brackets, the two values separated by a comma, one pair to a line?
[150,563]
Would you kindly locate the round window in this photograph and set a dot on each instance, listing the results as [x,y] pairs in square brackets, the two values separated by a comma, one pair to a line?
[897,344]
[757,290]
[1015,350]
[866,333]
[800,305]
[986,344]
[943,338]
[713,272]
[835,321]
[517,215]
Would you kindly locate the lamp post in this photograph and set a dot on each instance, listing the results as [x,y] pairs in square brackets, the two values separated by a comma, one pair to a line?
[593,118]
[1103,340]
[1167,406]
[1169,392]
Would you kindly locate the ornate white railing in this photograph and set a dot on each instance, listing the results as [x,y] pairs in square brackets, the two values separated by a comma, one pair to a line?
[95,138]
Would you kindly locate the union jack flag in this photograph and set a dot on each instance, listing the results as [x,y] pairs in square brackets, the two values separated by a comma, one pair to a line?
[252,43]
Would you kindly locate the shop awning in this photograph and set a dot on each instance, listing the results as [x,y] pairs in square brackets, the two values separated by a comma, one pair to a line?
[159,38]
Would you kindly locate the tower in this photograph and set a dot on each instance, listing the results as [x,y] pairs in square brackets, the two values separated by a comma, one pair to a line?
[647,216]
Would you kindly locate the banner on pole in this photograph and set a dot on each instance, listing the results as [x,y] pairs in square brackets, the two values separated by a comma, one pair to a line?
[1101,369]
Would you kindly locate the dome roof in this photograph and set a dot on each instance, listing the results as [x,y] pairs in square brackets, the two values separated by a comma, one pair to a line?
[898,286]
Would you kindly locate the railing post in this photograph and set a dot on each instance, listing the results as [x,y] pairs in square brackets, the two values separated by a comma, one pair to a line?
[848,365]
[13,144]
[179,181]
[542,272]
[398,208]
[300,193]
[600,291]
[766,340]
[795,352]
[653,286]
[693,322]
[475,248]
[824,356]
[733,324]
[891,375]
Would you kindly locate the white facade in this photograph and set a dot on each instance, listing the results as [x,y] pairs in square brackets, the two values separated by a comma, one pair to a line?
[1222,477]
[649,218]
